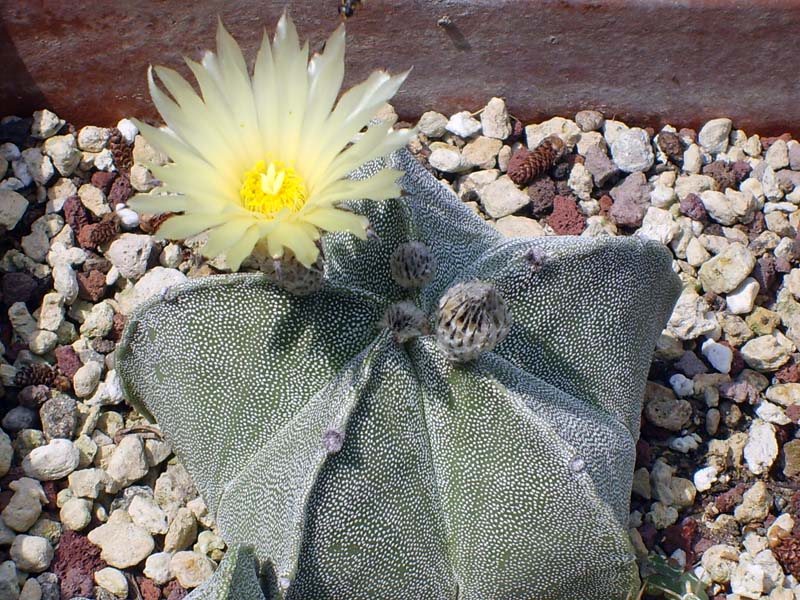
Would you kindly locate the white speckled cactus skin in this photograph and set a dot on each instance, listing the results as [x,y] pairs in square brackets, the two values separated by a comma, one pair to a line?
[504,478]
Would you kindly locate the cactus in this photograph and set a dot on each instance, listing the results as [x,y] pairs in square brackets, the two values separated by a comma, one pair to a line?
[344,461]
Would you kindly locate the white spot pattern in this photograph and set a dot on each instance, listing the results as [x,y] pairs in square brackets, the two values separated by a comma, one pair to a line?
[452,483]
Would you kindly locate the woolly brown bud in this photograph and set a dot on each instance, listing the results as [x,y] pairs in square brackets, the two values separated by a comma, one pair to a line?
[405,321]
[412,265]
[472,319]
[525,166]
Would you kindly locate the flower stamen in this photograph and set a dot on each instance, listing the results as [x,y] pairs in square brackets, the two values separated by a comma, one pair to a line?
[269,189]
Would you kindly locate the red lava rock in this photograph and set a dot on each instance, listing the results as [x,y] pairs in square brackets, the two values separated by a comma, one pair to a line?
[75,561]
[96,262]
[793,412]
[670,145]
[75,213]
[690,364]
[542,192]
[117,327]
[766,142]
[148,589]
[18,287]
[631,199]
[681,535]
[766,274]
[727,501]
[121,190]
[787,551]
[174,591]
[741,170]
[95,234]
[692,207]
[721,172]
[756,227]
[67,360]
[103,180]
[91,286]
[566,219]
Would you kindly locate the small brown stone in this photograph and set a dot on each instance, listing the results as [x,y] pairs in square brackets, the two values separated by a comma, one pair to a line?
[791,458]
[102,180]
[91,286]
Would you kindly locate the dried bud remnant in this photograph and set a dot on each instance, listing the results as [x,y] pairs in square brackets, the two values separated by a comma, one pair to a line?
[472,319]
[405,321]
[412,265]
[526,166]
[290,274]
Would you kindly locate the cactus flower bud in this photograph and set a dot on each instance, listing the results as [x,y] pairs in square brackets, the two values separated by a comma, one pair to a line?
[472,319]
[412,265]
[405,321]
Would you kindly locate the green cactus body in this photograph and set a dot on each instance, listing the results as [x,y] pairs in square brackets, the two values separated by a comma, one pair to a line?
[342,464]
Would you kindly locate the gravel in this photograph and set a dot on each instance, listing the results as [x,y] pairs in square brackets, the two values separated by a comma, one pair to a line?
[98,505]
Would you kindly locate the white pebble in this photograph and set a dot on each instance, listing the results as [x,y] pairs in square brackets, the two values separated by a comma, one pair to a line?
[112,580]
[681,385]
[128,218]
[761,449]
[741,300]
[31,553]
[704,478]
[463,124]
[128,130]
[718,355]
[56,460]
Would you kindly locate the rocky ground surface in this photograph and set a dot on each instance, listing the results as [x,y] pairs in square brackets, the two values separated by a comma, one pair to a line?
[93,503]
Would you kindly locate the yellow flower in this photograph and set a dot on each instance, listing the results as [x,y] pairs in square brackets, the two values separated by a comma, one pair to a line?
[263,159]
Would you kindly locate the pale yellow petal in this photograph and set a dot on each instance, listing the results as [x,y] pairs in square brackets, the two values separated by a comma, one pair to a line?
[224,236]
[242,248]
[289,235]
[182,226]
[159,203]
[354,110]
[380,186]
[332,219]
[291,73]
[269,102]
[200,138]
[214,99]
[326,73]
[236,83]
[379,140]
[211,191]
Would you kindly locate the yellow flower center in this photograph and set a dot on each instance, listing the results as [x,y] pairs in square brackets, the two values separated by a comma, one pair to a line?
[270,189]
